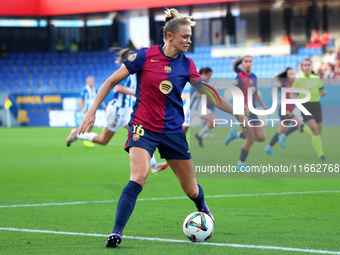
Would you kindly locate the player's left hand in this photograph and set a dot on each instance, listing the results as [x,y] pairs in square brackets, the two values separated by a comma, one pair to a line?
[87,122]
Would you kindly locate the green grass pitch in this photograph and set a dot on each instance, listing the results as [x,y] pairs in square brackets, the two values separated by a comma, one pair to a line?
[37,168]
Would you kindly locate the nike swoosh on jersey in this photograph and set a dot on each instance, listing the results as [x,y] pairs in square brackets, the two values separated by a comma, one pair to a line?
[154,60]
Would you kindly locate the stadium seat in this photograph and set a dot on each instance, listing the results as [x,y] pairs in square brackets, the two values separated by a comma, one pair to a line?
[34,87]
[73,68]
[15,87]
[44,87]
[4,87]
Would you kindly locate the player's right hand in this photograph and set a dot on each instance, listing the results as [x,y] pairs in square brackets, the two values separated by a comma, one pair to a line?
[87,122]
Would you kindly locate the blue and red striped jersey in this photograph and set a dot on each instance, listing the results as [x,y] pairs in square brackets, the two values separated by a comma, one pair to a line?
[160,82]
[244,82]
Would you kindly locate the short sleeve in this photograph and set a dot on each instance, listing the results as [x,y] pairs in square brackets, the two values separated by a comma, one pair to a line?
[194,75]
[320,84]
[135,62]
[254,79]
[238,81]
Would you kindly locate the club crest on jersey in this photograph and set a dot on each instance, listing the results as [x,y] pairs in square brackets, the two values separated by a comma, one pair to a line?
[135,137]
[165,87]
[137,131]
[167,69]
[132,57]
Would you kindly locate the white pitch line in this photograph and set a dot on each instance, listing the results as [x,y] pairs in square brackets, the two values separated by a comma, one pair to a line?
[261,247]
[175,198]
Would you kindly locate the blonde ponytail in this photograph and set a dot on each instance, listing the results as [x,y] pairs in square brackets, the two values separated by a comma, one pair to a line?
[174,20]
[173,13]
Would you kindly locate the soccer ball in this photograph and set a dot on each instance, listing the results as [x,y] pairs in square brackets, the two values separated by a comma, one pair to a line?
[198,227]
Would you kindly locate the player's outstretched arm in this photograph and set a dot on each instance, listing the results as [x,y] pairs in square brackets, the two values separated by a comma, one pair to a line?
[220,103]
[259,100]
[108,85]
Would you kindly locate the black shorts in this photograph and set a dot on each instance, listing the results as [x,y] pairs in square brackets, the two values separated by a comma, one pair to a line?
[315,109]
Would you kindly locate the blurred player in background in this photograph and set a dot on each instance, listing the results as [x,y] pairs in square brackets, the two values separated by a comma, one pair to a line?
[87,96]
[206,73]
[314,84]
[246,79]
[194,102]
[118,114]
[157,118]
[286,80]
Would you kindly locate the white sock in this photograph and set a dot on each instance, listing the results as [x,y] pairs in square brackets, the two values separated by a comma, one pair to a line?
[153,161]
[203,131]
[87,136]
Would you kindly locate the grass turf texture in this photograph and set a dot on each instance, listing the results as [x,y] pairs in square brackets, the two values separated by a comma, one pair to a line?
[36,167]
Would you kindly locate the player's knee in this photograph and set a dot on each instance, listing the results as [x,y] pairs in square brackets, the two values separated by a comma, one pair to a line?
[261,138]
[140,179]
[315,131]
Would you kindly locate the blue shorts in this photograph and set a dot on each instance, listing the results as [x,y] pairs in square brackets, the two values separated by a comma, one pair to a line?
[254,119]
[170,146]
[289,115]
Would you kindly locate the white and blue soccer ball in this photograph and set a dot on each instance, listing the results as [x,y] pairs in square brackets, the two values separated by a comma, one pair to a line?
[198,227]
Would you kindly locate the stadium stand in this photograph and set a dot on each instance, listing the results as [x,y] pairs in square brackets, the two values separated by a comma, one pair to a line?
[48,72]
[65,71]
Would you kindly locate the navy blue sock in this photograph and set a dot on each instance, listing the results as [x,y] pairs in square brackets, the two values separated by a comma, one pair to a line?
[274,140]
[126,205]
[290,130]
[199,200]
[243,155]
[242,135]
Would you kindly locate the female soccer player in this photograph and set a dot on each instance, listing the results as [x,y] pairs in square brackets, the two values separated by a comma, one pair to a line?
[194,103]
[157,118]
[118,114]
[246,79]
[87,95]
[286,80]
[314,84]
[206,73]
